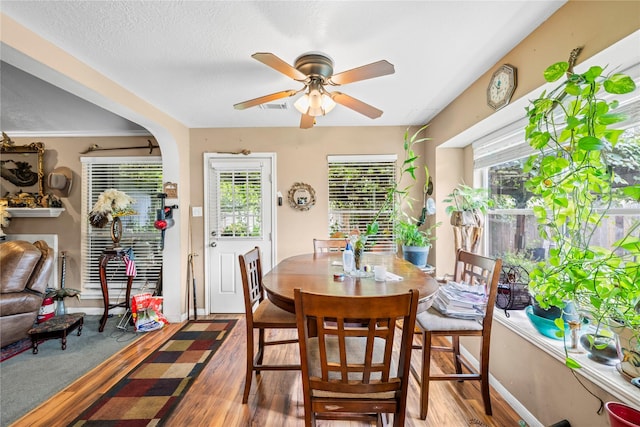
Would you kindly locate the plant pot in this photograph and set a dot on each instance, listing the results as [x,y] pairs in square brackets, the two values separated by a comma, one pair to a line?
[547,327]
[569,312]
[472,218]
[621,415]
[628,348]
[416,255]
[601,348]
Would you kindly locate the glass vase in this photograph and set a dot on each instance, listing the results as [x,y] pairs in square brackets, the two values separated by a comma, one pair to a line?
[61,309]
[357,257]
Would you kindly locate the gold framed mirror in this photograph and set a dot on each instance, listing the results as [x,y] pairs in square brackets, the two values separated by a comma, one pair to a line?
[302,196]
[22,183]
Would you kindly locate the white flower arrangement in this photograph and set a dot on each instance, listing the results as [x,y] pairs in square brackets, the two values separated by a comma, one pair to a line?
[111,203]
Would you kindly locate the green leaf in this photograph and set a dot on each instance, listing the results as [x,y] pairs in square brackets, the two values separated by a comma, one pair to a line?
[572,363]
[539,140]
[572,122]
[619,84]
[590,143]
[593,73]
[555,71]
[540,212]
[632,191]
[573,89]
[609,119]
[559,322]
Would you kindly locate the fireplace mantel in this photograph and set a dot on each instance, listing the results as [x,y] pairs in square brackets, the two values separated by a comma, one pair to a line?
[35,212]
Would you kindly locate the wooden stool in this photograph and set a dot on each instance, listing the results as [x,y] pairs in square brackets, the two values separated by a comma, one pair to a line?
[56,327]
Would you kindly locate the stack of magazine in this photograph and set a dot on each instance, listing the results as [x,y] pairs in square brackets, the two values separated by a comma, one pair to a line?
[461,300]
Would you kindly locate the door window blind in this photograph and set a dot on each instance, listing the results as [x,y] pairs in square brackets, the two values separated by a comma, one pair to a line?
[237,197]
[140,178]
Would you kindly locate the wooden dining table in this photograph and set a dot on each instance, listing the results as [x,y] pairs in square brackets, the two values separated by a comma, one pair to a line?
[316,273]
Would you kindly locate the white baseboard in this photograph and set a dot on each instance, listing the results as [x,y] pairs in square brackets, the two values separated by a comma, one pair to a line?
[518,407]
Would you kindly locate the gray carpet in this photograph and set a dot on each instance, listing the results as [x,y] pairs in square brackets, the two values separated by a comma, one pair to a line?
[28,379]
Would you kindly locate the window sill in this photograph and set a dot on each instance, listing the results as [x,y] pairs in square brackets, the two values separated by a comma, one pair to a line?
[606,377]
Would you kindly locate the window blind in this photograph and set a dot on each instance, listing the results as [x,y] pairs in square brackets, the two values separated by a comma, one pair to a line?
[358,188]
[237,196]
[140,178]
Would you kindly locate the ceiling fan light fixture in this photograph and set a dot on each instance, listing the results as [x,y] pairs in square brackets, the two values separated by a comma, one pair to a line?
[315,105]
[316,102]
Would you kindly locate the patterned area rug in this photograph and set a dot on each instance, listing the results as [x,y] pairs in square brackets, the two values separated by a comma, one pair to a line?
[14,349]
[150,392]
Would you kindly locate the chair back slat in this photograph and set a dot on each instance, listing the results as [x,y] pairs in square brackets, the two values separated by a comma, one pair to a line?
[328,245]
[476,269]
[251,272]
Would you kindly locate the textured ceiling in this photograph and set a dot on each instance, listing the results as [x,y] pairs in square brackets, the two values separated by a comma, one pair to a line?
[192,59]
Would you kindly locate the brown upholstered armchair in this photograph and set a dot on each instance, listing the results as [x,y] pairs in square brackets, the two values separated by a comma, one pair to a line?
[24,272]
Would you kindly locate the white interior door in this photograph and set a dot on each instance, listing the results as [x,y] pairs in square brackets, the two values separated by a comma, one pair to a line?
[239,216]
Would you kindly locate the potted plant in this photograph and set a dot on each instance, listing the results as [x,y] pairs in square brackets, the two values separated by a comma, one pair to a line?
[467,208]
[415,242]
[573,129]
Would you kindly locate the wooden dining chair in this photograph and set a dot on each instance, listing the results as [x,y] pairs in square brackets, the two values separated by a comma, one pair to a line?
[261,314]
[349,368]
[471,269]
[329,245]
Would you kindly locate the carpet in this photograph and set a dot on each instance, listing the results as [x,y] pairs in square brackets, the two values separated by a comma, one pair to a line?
[148,394]
[27,379]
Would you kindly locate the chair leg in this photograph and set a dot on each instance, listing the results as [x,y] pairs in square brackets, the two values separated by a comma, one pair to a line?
[455,345]
[484,381]
[260,347]
[426,372]
[249,375]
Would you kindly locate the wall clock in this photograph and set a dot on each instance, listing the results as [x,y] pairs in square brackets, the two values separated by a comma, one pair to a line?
[501,87]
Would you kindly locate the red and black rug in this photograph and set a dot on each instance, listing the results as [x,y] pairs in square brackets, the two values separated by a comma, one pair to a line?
[15,349]
[152,390]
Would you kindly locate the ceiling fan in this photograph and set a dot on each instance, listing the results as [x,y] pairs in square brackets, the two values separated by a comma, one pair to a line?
[315,71]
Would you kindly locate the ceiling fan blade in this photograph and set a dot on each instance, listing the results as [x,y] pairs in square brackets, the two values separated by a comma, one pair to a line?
[369,71]
[279,65]
[307,121]
[264,99]
[356,105]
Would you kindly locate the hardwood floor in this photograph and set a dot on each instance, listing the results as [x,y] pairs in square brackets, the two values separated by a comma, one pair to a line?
[215,398]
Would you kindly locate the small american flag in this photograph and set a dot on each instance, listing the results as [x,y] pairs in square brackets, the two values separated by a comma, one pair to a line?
[130,264]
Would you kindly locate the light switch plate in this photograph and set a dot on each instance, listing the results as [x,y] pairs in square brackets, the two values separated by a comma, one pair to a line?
[196,211]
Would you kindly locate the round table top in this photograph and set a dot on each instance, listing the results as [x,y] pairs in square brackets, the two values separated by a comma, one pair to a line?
[315,273]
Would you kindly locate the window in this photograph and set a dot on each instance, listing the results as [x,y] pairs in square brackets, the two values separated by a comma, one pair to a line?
[140,178]
[358,187]
[238,202]
[511,226]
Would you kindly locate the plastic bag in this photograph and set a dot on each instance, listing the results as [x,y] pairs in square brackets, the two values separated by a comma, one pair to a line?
[146,311]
